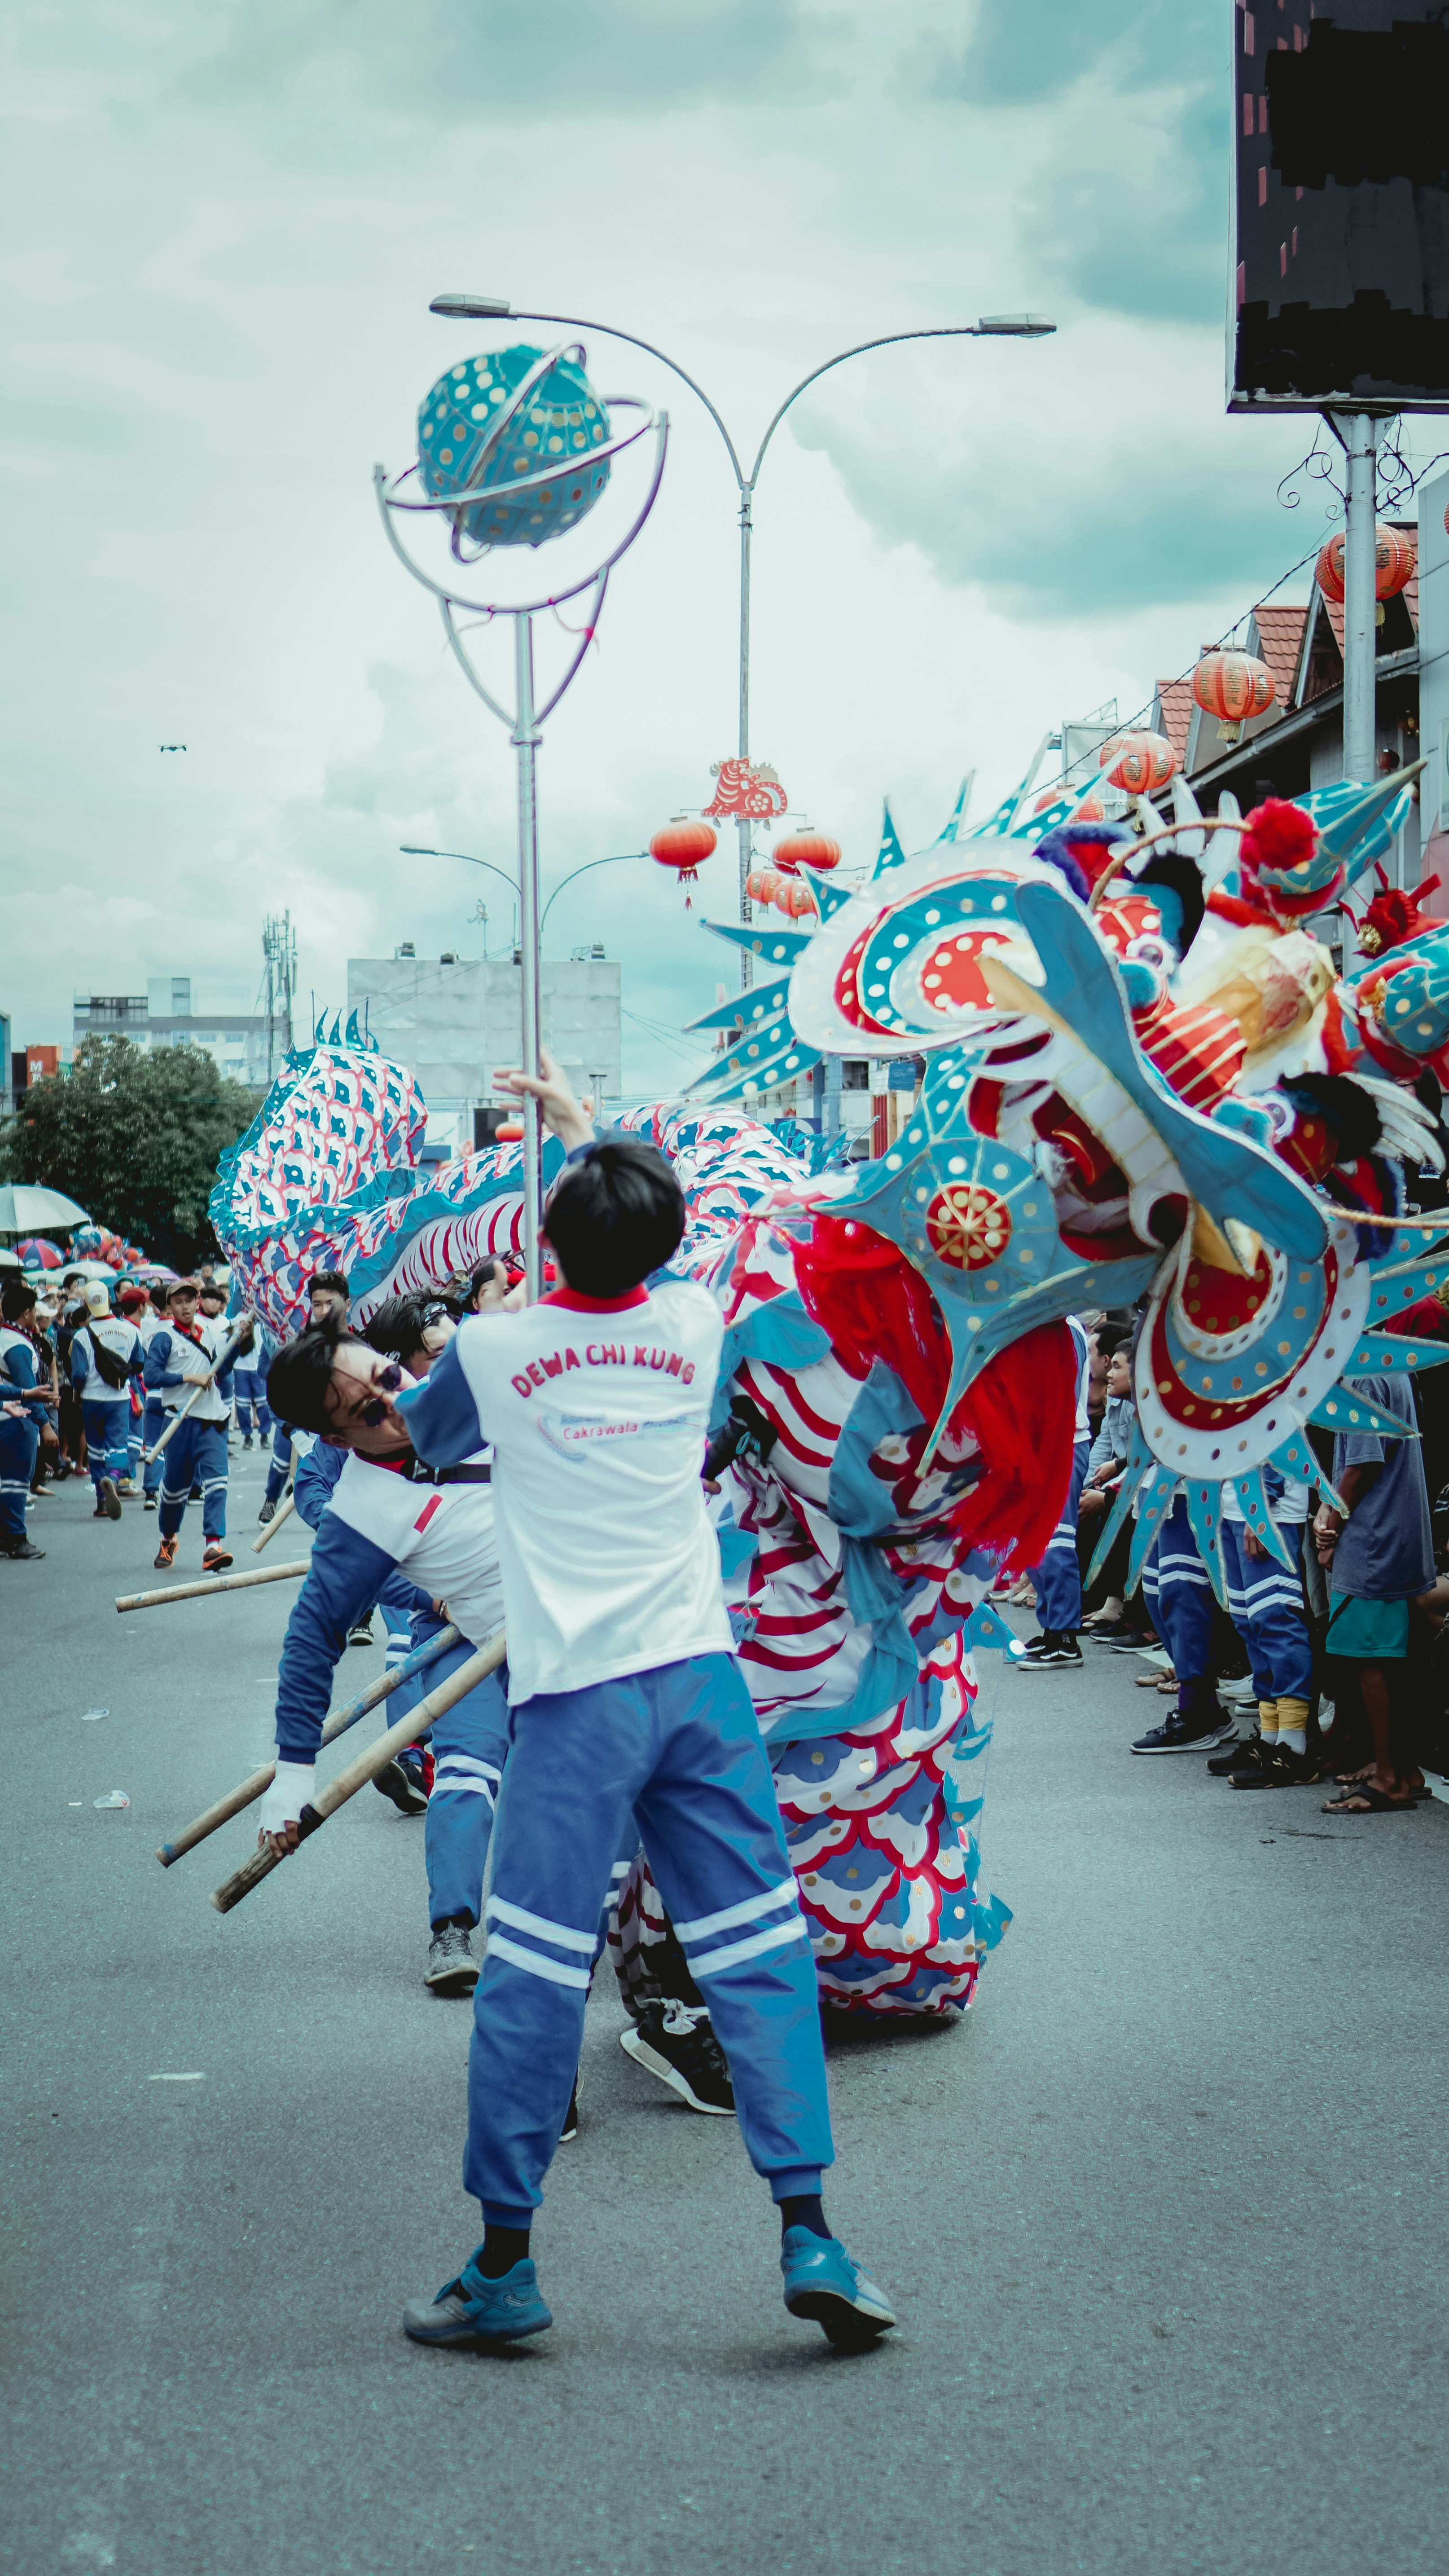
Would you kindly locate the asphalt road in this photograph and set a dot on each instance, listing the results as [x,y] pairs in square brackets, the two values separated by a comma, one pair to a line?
[1164,2216]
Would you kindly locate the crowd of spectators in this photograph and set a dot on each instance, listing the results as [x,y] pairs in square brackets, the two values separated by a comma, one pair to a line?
[1320,1654]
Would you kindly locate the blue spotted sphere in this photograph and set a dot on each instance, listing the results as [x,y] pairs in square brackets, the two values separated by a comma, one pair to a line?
[473,436]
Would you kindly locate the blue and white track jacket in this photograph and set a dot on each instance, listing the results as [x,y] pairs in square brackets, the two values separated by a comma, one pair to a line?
[18,1383]
[437,1525]
[170,1351]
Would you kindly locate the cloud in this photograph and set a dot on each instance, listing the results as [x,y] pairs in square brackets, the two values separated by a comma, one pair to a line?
[1120,489]
[491,58]
[1122,191]
[1021,52]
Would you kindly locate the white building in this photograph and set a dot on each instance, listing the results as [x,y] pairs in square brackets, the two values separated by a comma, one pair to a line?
[455,1021]
[216,1012]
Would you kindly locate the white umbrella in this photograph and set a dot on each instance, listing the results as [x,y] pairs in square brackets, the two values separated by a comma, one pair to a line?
[8,1260]
[27,1209]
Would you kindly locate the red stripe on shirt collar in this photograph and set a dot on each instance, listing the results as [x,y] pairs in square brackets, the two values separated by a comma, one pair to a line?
[578,1304]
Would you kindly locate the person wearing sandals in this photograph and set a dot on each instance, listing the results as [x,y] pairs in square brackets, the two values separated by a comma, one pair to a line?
[1379,1559]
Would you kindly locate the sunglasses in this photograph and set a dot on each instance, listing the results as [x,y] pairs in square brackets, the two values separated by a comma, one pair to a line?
[373,1410]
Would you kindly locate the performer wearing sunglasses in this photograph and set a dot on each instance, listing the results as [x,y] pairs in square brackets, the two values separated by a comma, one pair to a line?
[420,1541]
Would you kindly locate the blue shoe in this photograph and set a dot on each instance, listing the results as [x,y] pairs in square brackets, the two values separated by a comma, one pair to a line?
[824,2282]
[472,2310]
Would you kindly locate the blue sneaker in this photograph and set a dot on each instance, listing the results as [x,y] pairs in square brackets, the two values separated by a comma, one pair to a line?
[824,2282]
[472,2310]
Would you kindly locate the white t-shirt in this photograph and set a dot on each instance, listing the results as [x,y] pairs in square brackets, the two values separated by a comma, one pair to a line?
[597,1411]
[441,1535]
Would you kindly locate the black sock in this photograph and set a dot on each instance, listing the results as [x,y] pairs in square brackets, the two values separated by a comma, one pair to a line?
[806,2211]
[502,2248]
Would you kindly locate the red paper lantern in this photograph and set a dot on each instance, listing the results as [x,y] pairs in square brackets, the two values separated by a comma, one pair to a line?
[793,896]
[762,885]
[1141,762]
[1090,810]
[682,845]
[1233,686]
[1395,557]
[805,850]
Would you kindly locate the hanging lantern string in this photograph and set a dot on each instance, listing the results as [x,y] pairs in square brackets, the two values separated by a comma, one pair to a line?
[591,630]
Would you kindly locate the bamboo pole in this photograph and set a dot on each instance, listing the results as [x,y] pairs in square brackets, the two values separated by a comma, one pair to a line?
[211,1583]
[289,1504]
[249,1790]
[365,1768]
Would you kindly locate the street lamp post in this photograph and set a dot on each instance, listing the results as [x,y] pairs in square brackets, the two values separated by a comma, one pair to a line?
[991,326]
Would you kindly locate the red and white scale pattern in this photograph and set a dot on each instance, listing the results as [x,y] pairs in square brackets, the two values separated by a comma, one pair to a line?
[886,1870]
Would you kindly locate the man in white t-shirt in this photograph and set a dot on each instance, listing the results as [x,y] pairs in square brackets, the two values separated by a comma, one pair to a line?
[625,1698]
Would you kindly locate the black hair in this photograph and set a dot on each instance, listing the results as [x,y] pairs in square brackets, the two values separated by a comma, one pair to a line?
[329,1279]
[301,1373]
[397,1328]
[615,1217]
[16,1298]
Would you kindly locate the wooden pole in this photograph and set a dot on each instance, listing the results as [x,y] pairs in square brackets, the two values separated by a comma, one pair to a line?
[366,1767]
[250,1790]
[289,1504]
[212,1583]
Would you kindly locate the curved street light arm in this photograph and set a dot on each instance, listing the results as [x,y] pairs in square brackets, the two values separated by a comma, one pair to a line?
[945,331]
[575,322]
[410,851]
[616,861]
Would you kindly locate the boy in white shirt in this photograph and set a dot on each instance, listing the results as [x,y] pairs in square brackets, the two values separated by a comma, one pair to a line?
[625,1697]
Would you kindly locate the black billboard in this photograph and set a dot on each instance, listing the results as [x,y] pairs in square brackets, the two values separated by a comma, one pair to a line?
[1340,291]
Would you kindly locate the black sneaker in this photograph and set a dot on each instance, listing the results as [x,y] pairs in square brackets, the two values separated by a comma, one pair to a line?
[149,1502]
[1244,1752]
[268,1512]
[406,1781]
[19,1549]
[676,2043]
[1179,1734]
[361,1635]
[1048,1652]
[1133,1641]
[246,1444]
[1278,1769]
[570,2127]
[452,1968]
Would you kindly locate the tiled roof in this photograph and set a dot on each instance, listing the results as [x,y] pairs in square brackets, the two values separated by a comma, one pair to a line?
[1280,637]
[1175,702]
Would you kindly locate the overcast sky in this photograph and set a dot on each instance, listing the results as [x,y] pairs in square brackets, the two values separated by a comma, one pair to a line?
[224,226]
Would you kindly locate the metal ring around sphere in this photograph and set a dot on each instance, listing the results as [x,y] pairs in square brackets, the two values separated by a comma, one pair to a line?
[390,502]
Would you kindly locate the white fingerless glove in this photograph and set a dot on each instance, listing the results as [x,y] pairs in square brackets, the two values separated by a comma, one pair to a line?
[289,1793]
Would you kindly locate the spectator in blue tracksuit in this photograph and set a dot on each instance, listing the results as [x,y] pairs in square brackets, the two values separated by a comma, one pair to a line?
[380,1524]
[1057,1581]
[183,1355]
[105,1355]
[23,1419]
[153,1411]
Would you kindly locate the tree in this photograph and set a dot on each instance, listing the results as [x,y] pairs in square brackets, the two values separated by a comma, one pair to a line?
[134,1135]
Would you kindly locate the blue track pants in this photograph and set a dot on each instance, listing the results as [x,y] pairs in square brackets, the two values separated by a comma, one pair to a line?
[19,1441]
[470,1746]
[196,1455]
[1265,1603]
[153,1423]
[1057,1581]
[1179,1594]
[107,1428]
[681,1748]
[249,1387]
[280,1466]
